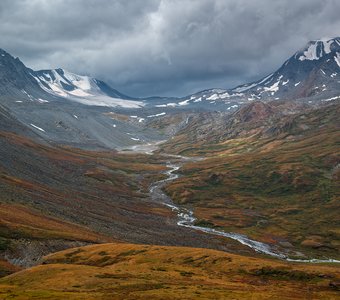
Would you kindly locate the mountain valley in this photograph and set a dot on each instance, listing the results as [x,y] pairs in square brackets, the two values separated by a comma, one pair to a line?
[81,161]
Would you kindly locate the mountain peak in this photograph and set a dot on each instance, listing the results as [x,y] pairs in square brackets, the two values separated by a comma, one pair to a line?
[14,76]
[80,88]
[2,51]
[316,49]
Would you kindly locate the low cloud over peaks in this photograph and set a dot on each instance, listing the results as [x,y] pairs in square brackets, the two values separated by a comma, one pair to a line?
[168,47]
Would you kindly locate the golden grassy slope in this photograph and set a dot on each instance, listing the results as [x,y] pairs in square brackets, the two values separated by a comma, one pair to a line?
[18,220]
[126,271]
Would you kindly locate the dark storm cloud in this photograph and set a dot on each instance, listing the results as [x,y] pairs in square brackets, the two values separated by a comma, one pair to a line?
[170,47]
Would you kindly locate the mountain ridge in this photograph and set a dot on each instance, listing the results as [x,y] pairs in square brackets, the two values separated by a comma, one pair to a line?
[81,110]
[311,72]
[19,81]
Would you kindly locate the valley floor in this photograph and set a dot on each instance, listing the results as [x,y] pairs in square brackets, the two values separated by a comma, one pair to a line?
[56,197]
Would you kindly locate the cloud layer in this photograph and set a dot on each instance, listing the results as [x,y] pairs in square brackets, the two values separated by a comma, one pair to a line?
[169,47]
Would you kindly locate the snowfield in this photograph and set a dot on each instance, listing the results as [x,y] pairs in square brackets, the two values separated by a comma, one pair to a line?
[82,89]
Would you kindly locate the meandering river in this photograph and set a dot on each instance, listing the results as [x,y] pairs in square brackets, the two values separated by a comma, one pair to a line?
[186,216]
[187,219]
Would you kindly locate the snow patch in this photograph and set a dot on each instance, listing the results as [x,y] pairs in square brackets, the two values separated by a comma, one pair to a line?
[310,53]
[273,88]
[36,127]
[79,93]
[231,107]
[167,105]
[327,46]
[213,97]
[185,102]
[225,95]
[83,89]
[157,115]
[109,102]
[337,59]
[331,99]
[317,49]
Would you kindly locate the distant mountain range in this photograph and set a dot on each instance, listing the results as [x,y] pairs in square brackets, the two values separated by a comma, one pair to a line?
[70,109]
[81,110]
[312,72]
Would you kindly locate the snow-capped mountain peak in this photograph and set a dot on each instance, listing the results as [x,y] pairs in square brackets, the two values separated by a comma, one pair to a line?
[314,50]
[64,83]
[312,71]
[81,88]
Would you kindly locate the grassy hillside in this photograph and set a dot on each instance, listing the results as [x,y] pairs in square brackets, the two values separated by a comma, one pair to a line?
[54,197]
[278,183]
[125,271]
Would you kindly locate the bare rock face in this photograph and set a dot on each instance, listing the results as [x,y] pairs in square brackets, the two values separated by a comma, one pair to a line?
[14,74]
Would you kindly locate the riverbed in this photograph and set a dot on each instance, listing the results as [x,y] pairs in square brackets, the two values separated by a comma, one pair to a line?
[186,218]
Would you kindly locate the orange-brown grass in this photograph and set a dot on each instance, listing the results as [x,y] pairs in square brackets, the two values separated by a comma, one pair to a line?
[282,188]
[127,162]
[18,220]
[126,271]
[7,268]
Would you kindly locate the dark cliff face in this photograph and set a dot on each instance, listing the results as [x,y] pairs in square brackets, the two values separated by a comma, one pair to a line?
[14,75]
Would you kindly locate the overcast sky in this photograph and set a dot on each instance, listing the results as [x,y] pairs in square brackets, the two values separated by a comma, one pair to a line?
[169,47]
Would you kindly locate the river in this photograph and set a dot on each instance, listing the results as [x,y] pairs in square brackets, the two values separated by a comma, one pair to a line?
[187,219]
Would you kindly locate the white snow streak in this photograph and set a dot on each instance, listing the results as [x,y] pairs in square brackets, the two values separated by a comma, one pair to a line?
[36,127]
